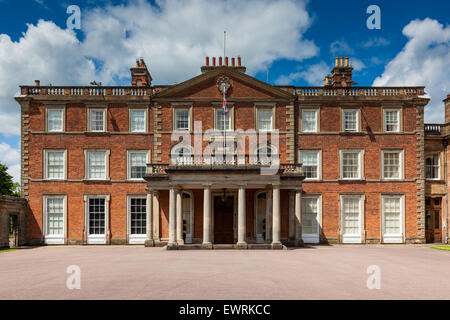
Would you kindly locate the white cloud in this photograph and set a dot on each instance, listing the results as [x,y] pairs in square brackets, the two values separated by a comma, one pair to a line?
[357,64]
[424,60]
[314,75]
[341,47]
[11,158]
[376,42]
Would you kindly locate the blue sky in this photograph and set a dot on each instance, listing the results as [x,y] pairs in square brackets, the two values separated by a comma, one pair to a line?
[294,41]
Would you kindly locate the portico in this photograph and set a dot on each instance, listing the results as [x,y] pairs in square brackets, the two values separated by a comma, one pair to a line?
[227,194]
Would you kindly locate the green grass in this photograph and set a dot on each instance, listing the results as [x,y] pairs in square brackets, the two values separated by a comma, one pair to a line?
[441,247]
[6,250]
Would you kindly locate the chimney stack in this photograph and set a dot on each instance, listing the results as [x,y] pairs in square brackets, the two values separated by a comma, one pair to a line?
[341,75]
[207,61]
[239,61]
[214,61]
[447,109]
[223,62]
[140,76]
[37,83]
[232,62]
[226,61]
[220,61]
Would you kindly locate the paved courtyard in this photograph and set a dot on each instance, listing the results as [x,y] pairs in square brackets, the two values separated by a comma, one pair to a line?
[132,272]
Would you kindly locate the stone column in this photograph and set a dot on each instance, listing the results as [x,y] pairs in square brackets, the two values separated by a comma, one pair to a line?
[276,228]
[149,216]
[172,219]
[179,219]
[156,212]
[298,218]
[207,217]
[241,244]
[268,215]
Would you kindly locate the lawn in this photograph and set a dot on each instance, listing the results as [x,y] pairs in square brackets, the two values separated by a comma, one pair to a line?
[6,250]
[441,247]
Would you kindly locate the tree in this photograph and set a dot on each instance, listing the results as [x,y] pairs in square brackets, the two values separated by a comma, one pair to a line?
[7,186]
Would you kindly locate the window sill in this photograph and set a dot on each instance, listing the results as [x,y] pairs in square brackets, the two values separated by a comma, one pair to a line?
[352,180]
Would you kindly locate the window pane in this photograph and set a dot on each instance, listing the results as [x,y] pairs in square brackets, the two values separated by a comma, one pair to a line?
[55,120]
[351,120]
[96,165]
[97,120]
[310,163]
[55,165]
[138,215]
[309,121]
[137,120]
[350,165]
[391,119]
[309,215]
[391,208]
[264,119]
[182,119]
[138,164]
[351,216]
[220,119]
[432,167]
[96,210]
[55,216]
[391,165]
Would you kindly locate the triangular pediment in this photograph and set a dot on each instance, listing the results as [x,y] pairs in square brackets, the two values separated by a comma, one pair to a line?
[242,87]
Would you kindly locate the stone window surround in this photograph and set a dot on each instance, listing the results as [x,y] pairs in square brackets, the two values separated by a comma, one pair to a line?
[315,108]
[105,117]
[44,215]
[358,119]
[361,163]
[128,162]
[130,110]
[441,167]
[216,107]
[319,165]
[44,164]
[56,107]
[257,107]
[107,156]
[187,106]
[362,199]
[400,119]
[402,215]
[402,163]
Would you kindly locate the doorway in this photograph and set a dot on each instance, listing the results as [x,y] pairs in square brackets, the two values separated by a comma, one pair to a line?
[13,231]
[223,219]
[433,211]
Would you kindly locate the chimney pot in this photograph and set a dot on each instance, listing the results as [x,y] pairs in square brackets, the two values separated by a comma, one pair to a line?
[226,61]
[37,82]
[337,62]
[342,62]
[207,61]
[220,61]
[239,61]
[214,61]
[232,62]
[346,61]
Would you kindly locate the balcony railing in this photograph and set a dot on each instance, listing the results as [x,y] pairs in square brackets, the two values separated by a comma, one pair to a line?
[86,91]
[435,129]
[359,91]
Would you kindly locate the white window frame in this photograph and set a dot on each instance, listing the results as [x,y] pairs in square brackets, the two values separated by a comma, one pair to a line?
[358,237]
[46,158]
[129,152]
[360,163]
[86,155]
[97,238]
[313,237]
[319,162]
[259,108]
[356,111]
[49,238]
[393,237]
[182,108]
[229,114]
[132,110]
[399,121]
[401,164]
[63,118]
[431,155]
[316,128]
[104,119]
[136,238]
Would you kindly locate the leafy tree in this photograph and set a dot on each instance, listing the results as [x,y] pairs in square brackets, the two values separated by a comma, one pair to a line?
[7,185]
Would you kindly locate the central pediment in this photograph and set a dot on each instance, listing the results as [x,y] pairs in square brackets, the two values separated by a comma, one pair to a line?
[238,86]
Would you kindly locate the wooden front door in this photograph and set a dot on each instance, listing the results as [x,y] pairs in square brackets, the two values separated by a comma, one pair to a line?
[223,220]
[433,217]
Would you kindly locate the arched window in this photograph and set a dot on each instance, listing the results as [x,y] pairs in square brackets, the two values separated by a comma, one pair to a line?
[181,155]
